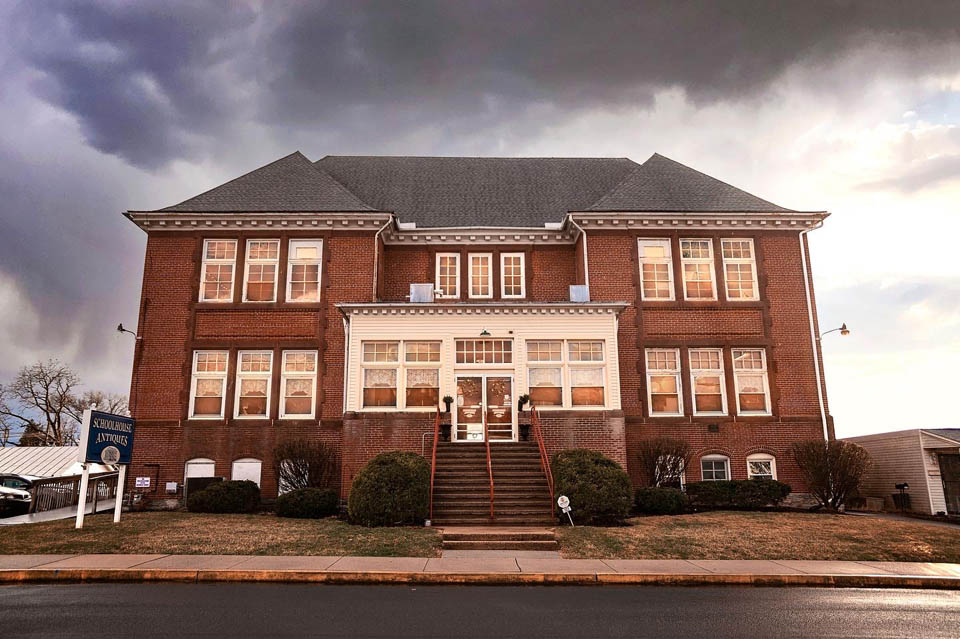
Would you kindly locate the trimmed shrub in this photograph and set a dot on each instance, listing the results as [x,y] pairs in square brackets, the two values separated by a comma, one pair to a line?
[660,501]
[833,470]
[598,487]
[308,503]
[740,493]
[392,489]
[226,497]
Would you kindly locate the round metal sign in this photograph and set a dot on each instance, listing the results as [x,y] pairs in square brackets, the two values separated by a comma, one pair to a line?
[563,501]
[110,455]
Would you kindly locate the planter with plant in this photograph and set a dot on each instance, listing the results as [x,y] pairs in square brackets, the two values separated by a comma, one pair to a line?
[525,423]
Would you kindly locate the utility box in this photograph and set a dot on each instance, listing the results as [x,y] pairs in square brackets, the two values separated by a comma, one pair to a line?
[421,293]
[579,293]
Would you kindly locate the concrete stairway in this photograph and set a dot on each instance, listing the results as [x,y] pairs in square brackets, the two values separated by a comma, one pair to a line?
[498,539]
[461,488]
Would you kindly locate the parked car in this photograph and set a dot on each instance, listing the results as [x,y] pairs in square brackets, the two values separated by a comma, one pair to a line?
[15,494]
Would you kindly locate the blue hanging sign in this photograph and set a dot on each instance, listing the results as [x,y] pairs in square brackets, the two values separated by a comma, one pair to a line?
[106,438]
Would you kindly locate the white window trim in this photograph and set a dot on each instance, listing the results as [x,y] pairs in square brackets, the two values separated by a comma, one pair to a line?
[752,261]
[714,458]
[252,375]
[678,373]
[470,294]
[247,261]
[523,276]
[247,460]
[204,262]
[436,276]
[667,260]
[291,261]
[284,376]
[753,371]
[221,375]
[706,372]
[762,457]
[401,366]
[566,365]
[698,260]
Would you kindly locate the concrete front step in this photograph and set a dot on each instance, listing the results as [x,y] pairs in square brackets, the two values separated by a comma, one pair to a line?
[500,520]
[500,545]
[536,534]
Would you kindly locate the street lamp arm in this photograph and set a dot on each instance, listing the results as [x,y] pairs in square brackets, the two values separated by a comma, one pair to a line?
[842,328]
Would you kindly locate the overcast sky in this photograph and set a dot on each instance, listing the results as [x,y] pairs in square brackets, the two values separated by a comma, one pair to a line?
[852,107]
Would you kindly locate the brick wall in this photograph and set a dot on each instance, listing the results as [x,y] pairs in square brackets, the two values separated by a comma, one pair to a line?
[602,431]
[368,434]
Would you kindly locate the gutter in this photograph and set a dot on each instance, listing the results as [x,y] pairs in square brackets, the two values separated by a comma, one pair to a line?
[586,267]
[814,338]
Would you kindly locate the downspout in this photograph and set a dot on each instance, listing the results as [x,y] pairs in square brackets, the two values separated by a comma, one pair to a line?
[814,338]
[586,267]
[346,358]
[376,256]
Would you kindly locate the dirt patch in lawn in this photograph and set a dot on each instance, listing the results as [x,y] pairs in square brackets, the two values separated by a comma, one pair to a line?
[196,534]
[762,535]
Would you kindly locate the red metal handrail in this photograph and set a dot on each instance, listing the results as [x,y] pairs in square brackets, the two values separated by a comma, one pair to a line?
[486,439]
[544,459]
[433,456]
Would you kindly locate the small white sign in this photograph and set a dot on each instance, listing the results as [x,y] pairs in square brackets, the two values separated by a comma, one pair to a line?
[172,487]
[563,501]
[143,482]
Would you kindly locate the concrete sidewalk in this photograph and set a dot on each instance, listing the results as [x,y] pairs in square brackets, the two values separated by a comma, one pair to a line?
[473,570]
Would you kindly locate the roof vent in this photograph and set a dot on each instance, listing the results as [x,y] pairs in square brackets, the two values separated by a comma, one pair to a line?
[579,293]
[421,293]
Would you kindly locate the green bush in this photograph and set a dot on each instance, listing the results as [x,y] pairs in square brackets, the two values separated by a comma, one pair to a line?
[598,488]
[225,497]
[742,493]
[308,503]
[660,501]
[392,489]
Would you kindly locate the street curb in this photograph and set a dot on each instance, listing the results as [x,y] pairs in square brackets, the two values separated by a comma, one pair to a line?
[89,575]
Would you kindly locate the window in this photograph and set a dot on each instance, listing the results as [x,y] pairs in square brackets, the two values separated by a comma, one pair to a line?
[480,275]
[448,275]
[298,382]
[656,270]
[739,269]
[422,373]
[512,276]
[208,384]
[663,381]
[484,351]
[195,468]
[750,378]
[761,466]
[670,472]
[715,468]
[706,379]
[303,270]
[248,468]
[254,374]
[586,381]
[696,257]
[545,372]
[260,280]
[216,271]
[381,361]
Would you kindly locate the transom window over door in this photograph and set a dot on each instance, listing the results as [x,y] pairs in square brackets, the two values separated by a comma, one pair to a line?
[216,271]
[254,373]
[750,378]
[298,383]
[706,379]
[481,275]
[656,269]
[448,275]
[303,270]
[739,269]
[512,275]
[663,381]
[208,384]
[696,257]
[484,351]
[260,283]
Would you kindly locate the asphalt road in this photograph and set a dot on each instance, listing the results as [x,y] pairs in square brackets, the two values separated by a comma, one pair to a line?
[286,610]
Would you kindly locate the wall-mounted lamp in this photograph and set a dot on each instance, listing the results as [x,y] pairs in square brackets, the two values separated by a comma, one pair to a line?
[484,333]
[842,328]
[121,329]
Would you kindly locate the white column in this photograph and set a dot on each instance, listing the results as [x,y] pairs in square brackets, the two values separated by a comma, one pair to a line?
[120,482]
[82,503]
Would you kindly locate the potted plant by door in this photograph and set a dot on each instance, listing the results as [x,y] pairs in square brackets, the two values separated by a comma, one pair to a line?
[448,401]
[445,426]
[524,423]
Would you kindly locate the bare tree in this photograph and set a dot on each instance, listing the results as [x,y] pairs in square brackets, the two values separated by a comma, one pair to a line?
[663,460]
[832,470]
[301,463]
[41,407]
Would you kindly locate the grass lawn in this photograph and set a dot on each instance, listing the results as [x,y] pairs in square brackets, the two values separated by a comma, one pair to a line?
[761,535]
[196,534]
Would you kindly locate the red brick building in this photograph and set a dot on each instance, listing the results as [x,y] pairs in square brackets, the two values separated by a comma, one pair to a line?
[628,300]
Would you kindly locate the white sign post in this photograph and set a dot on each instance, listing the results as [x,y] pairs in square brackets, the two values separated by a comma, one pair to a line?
[564,502]
[104,439]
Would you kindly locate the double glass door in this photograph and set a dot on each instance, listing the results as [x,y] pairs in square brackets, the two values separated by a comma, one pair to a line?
[484,406]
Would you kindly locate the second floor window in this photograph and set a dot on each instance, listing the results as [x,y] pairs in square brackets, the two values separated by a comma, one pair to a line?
[303,270]
[254,373]
[448,275]
[696,257]
[511,275]
[208,384]
[739,269]
[260,283]
[656,270]
[663,381]
[481,275]
[216,271]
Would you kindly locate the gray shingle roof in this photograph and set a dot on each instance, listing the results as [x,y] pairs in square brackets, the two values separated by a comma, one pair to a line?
[462,191]
[661,184]
[949,433]
[291,183]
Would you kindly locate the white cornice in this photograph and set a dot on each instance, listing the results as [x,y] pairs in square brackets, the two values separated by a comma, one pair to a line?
[661,220]
[478,235]
[175,221]
[484,308]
